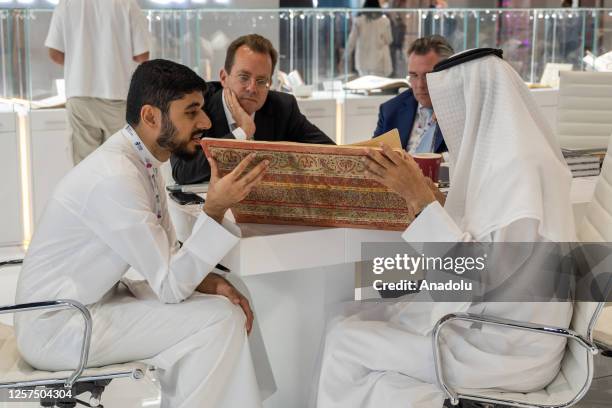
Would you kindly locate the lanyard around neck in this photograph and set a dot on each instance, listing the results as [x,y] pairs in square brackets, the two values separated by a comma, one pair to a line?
[152,171]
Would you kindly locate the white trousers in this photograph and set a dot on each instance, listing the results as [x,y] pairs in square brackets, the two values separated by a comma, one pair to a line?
[199,346]
[370,363]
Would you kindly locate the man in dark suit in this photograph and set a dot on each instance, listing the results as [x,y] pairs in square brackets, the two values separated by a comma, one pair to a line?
[411,112]
[241,106]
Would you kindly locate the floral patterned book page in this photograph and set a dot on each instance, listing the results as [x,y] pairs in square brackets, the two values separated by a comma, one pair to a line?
[309,184]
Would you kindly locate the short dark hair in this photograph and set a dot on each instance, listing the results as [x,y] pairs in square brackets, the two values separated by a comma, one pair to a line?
[159,82]
[254,42]
[436,43]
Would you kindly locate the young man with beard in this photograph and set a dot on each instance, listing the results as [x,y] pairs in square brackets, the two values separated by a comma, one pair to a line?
[109,214]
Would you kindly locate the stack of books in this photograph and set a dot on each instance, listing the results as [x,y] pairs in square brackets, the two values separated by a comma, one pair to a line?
[583,163]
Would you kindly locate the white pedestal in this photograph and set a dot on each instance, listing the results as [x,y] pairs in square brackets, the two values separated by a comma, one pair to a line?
[361,116]
[548,100]
[321,112]
[51,154]
[266,249]
[11,232]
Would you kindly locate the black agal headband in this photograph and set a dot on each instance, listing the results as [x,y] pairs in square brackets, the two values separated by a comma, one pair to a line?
[467,56]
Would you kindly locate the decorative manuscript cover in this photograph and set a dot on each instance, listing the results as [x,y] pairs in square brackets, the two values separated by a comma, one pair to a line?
[310,184]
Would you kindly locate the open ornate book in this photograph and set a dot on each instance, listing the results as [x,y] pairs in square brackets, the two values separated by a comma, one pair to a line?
[372,83]
[307,184]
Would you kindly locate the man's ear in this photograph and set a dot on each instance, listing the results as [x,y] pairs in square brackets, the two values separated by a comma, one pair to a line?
[223,76]
[150,116]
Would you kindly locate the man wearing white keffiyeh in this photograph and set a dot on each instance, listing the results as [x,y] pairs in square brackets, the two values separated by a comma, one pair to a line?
[508,184]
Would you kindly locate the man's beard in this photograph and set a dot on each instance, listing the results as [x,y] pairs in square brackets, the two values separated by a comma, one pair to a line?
[167,140]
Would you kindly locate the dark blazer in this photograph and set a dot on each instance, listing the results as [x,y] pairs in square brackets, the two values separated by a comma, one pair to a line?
[399,112]
[279,119]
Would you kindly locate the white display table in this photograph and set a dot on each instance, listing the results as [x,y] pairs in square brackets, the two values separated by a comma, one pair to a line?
[277,248]
[50,154]
[321,112]
[274,248]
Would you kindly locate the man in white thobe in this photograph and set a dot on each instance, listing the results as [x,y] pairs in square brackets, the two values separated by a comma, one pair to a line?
[509,183]
[109,214]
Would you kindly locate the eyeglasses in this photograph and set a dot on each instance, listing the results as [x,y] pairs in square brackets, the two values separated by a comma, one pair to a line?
[260,83]
[416,77]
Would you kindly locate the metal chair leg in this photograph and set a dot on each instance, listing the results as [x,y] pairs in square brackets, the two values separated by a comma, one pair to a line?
[95,388]
[475,404]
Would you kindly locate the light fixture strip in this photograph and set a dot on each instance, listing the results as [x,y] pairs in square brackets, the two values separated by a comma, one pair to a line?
[24,163]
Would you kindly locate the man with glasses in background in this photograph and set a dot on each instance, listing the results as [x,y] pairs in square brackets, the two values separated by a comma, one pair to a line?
[411,112]
[242,106]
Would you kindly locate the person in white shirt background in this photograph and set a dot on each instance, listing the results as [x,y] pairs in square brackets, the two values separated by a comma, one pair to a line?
[508,183]
[110,214]
[370,38]
[99,43]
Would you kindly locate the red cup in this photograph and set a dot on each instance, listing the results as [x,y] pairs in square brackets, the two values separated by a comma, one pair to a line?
[429,164]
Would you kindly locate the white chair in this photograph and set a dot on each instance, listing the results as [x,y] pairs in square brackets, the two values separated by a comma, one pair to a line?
[53,387]
[584,113]
[589,333]
[592,229]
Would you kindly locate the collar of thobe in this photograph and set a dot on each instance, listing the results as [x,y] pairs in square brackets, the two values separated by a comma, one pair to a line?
[231,122]
[149,162]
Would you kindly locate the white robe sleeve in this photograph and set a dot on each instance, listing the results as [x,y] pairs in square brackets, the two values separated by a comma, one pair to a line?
[434,225]
[119,211]
[508,275]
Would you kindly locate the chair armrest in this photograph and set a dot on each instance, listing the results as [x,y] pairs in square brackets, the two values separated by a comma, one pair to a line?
[61,304]
[495,321]
[57,304]
[11,262]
